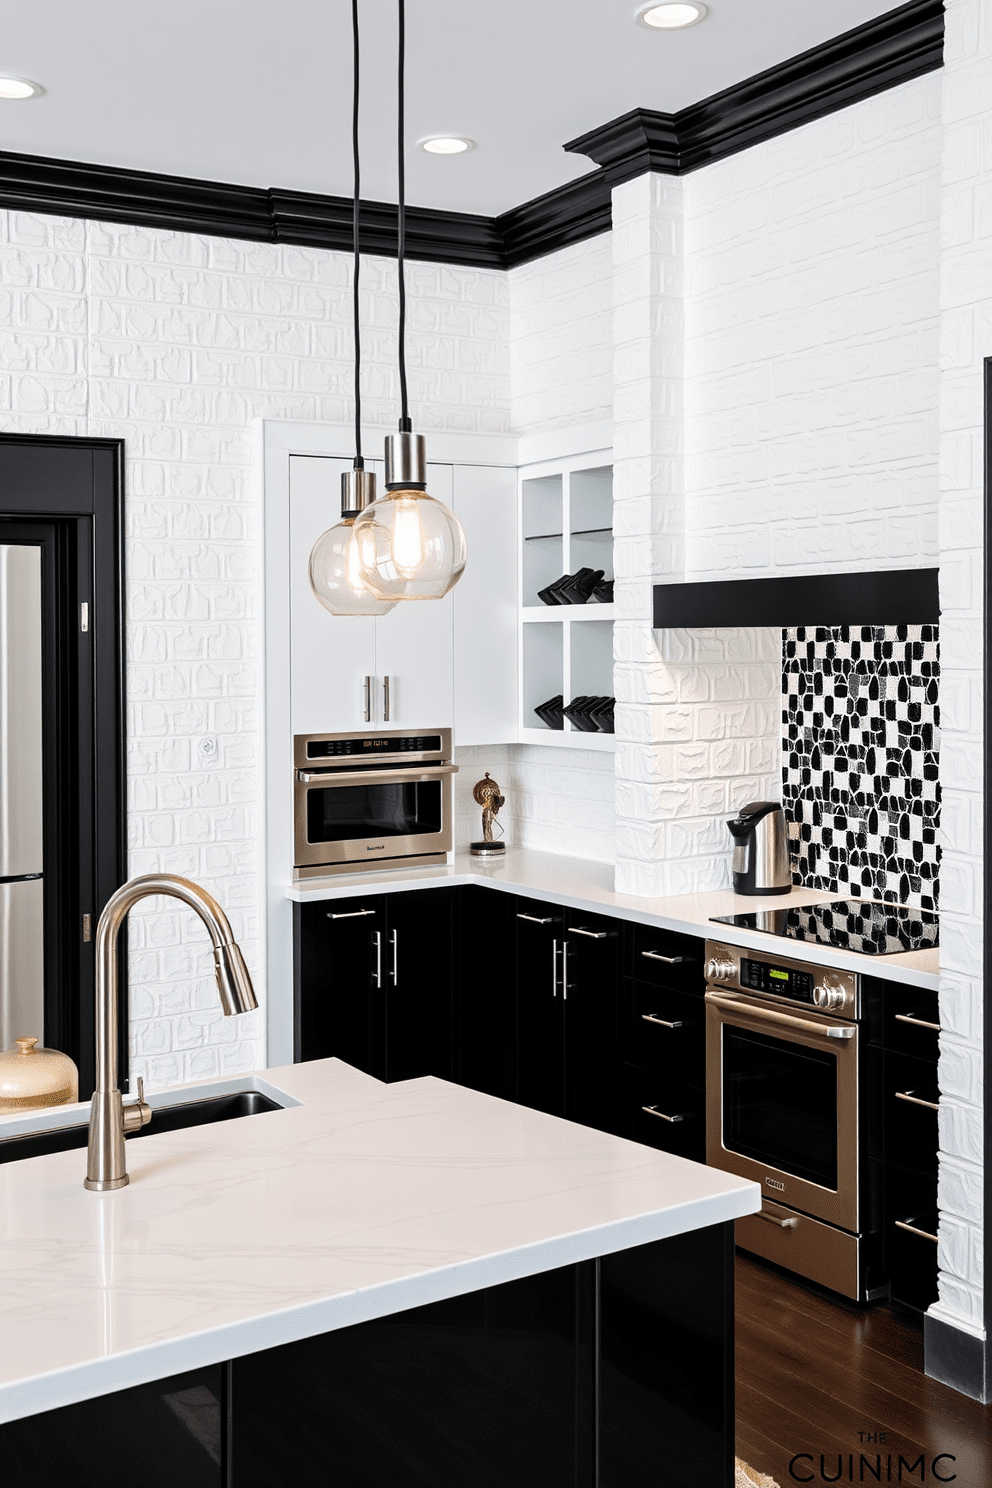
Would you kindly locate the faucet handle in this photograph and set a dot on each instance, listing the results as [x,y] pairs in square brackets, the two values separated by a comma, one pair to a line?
[139,1113]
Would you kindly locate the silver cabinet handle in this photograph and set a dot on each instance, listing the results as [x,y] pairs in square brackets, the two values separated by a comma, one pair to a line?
[662,1022]
[904,1224]
[662,1115]
[783,1224]
[378,958]
[368,699]
[350,914]
[761,1015]
[916,1022]
[394,942]
[564,971]
[554,965]
[592,934]
[534,919]
[657,956]
[385,699]
[916,1100]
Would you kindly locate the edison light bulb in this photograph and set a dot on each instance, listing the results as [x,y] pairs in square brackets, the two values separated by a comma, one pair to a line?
[408,538]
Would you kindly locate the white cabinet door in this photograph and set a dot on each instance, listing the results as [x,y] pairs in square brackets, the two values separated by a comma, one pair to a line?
[485,502]
[330,655]
[414,646]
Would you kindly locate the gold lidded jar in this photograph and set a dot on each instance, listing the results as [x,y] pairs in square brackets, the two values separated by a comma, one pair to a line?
[32,1077]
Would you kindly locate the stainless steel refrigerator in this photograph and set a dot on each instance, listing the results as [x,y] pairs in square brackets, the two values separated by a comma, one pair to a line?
[21,782]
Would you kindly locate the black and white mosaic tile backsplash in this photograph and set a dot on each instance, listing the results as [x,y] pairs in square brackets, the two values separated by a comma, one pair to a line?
[860,729]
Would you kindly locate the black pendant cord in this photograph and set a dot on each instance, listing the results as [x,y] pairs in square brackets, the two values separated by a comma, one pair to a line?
[359,463]
[405,425]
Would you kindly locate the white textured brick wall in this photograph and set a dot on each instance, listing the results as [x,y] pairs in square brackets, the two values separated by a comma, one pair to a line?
[966,339]
[812,322]
[177,343]
[561,347]
[557,800]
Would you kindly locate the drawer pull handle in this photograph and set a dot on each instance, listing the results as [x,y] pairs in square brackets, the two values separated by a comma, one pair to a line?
[916,1022]
[916,1100]
[664,1023]
[783,1224]
[350,914]
[662,1115]
[668,960]
[592,934]
[905,1224]
[534,919]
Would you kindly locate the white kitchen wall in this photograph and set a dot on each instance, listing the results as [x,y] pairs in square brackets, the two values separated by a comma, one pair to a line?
[177,343]
[561,338]
[966,339]
[557,800]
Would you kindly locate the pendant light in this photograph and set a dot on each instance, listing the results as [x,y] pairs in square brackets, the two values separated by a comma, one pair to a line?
[335,575]
[409,545]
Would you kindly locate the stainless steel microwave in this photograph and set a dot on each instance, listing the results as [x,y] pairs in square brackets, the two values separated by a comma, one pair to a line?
[371,801]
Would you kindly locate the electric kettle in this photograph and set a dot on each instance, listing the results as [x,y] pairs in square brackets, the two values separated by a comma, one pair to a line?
[761,850]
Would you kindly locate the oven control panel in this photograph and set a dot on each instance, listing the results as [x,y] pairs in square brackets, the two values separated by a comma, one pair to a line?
[819,987]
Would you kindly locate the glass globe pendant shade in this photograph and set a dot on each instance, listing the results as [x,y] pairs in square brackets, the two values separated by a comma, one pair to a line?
[410,546]
[335,569]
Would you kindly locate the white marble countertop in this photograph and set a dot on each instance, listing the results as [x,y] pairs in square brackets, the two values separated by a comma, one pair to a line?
[358,1200]
[582,883]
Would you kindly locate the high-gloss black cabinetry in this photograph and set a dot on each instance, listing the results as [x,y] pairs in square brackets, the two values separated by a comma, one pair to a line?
[486,993]
[567,963]
[374,982]
[903,1031]
[664,1046]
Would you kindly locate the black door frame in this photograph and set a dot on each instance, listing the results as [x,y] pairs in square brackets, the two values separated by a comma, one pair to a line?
[71,492]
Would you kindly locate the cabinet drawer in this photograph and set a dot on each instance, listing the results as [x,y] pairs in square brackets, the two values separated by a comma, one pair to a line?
[904,1019]
[664,1113]
[665,1031]
[664,959]
[910,1224]
[909,1115]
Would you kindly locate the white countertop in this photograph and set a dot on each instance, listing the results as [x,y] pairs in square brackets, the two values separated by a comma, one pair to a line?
[359,1200]
[583,884]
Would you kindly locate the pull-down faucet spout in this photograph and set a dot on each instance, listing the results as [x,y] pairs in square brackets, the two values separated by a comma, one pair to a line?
[109,1118]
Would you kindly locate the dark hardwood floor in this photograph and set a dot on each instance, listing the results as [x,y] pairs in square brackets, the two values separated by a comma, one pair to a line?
[814,1371]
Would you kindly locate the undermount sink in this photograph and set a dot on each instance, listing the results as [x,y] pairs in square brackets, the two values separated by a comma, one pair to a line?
[164,1119]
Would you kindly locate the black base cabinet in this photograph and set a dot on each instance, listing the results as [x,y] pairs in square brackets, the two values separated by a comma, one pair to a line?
[615,1372]
[374,983]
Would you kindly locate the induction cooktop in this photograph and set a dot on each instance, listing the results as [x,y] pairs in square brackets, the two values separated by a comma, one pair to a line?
[849,924]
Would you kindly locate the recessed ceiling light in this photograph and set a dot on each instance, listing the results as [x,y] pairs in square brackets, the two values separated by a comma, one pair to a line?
[672,17]
[15,87]
[446,144]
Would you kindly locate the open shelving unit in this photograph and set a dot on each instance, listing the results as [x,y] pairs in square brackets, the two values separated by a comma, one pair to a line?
[566,523]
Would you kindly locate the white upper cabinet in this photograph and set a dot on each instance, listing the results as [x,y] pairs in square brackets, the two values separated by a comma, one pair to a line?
[391,671]
[485,605]
[330,656]
[414,648]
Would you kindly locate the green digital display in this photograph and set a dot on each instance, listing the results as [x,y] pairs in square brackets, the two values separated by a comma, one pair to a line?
[779,976]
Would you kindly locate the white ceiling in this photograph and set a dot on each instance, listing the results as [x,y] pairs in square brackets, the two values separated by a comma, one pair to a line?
[258,92]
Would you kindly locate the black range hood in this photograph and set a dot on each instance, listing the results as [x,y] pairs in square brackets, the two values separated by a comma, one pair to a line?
[892,596]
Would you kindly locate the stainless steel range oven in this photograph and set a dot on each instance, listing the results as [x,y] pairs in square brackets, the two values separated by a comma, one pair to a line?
[784,1107]
[371,801]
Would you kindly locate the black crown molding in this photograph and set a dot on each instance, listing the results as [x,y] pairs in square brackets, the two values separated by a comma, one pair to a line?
[898,46]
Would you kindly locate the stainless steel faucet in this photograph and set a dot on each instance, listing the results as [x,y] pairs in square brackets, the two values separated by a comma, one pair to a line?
[109,1117]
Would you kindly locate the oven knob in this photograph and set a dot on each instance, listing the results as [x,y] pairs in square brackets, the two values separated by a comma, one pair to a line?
[718,970]
[830,996]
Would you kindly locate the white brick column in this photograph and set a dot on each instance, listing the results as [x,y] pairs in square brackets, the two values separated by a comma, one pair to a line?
[648,519]
[966,340]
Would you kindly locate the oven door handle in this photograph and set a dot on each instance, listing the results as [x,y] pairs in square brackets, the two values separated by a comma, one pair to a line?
[781,1020]
[373,777]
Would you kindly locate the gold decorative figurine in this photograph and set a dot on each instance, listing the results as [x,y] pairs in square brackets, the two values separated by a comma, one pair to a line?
[486,794]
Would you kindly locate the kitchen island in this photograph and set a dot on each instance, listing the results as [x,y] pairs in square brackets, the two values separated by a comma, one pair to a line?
[406,1284]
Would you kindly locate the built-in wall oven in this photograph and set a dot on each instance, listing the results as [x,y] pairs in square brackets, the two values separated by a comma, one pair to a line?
[371,801]
[785,1103]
